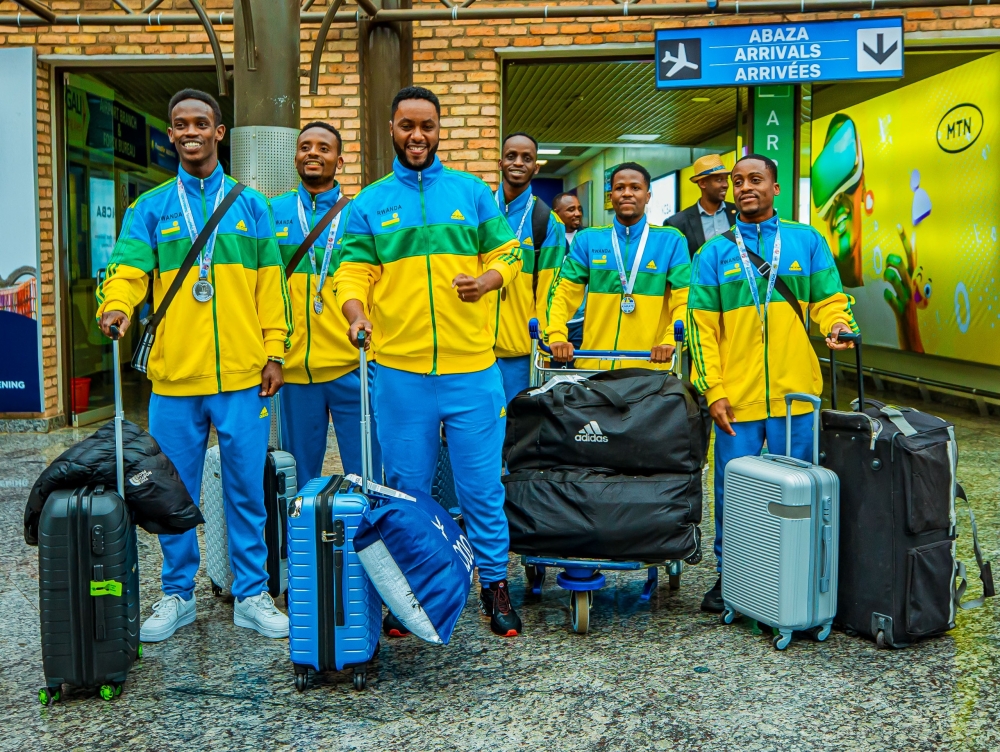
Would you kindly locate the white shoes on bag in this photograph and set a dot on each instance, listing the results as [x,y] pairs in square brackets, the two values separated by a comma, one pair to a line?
[170,613]
[259,613]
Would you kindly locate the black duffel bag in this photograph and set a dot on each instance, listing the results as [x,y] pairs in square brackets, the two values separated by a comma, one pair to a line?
[593,514]
[632,420]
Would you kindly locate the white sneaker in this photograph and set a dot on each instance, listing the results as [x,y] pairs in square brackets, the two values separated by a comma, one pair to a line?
[169,614]
[259,613]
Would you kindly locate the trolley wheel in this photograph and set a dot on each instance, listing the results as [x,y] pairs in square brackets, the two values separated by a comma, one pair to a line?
[675,582]
[880,640]
[301,682]
[728,616]
[781,642]
[138,652]
[216,590]
[360,680]
[106,692]
[580,609]
[820,633]
[590,598]
[49,695]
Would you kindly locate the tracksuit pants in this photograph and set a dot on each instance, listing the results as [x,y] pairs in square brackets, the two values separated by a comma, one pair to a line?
[516,373]
[750,438]
[180,426]
[306,410]
[409,409]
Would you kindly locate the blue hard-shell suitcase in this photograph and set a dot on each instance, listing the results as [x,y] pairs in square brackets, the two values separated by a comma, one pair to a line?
[334,611]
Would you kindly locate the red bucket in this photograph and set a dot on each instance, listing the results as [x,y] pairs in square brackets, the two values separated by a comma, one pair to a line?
[81,393]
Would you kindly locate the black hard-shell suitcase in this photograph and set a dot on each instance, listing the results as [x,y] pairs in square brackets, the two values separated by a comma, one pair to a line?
[88,584]
[898,570]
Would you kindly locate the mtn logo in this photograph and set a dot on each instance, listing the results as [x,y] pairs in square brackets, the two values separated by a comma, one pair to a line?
[591,432]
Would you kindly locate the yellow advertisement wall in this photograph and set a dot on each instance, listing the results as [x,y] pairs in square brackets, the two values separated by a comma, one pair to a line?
[913,223]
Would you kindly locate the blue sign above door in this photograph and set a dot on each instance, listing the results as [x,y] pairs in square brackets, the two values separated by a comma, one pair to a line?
[764,54]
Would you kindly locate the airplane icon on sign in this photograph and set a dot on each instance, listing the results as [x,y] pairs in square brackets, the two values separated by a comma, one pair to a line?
[679,63]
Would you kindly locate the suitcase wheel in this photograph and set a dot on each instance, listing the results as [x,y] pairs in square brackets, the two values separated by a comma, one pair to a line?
[782,641]
[360,679]
[821,632]
[138,652]
[49,695]
[880,641]
[301,682]
[675,581]
[109,692]
[728,616]
[216,590]
[580,602]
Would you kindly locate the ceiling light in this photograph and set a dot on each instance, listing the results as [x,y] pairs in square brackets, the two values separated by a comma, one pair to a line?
[542,162]
[638,137]
[701,99]
[551,152]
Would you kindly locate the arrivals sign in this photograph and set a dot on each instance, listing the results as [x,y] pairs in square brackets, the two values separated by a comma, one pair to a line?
[766,54]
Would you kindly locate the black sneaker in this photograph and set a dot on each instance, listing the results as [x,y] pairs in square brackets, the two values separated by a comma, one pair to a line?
[712,602]
[393,627]
[494,602]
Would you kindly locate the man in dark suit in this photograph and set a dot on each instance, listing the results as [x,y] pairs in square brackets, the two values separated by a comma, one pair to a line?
[710,215]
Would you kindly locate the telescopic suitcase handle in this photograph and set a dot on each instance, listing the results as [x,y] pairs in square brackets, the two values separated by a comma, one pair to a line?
[119,412]
[813,400]
[366,423]
[854,337]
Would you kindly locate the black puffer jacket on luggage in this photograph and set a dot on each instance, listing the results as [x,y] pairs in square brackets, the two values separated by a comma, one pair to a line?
[153,490]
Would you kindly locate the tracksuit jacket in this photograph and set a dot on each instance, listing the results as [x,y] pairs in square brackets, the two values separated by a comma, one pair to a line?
[320,349]
[660,291]
[223,344]
[523,300]
[408,236]
[734,356]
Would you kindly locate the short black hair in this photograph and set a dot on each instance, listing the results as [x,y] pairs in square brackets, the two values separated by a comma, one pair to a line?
[528,136]
[326,127]
[560,196]
[415,92]
[631,166]
[769,164]
[201,96]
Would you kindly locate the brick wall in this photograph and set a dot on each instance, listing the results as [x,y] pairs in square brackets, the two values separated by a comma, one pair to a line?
[455,59]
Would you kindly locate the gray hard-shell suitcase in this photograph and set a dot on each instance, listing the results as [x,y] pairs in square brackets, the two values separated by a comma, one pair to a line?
[88,583]
[780,534]
[280,484]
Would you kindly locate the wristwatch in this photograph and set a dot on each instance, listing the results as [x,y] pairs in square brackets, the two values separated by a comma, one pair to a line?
[276,359]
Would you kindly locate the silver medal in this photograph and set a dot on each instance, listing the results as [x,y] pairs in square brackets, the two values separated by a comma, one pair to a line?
[628,304]
[318,304]
[203,291]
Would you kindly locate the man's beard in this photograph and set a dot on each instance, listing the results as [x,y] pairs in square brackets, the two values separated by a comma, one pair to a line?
[401,153]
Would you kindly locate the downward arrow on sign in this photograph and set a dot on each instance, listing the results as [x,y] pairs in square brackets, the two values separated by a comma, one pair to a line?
[880,55]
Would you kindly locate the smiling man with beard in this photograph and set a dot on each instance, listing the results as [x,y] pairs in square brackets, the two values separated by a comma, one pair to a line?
[321,371]
[426,244]
[217,355]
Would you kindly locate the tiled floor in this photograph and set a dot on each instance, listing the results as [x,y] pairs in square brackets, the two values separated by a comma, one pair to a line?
[656,675]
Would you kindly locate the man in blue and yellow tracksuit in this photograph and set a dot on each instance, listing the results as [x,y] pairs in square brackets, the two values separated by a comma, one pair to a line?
[543,238]
[749,345]
[322,378]
[427,244]
[217,355]
[638,278]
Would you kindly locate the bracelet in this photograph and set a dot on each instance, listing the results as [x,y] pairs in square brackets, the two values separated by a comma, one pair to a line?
[275,359]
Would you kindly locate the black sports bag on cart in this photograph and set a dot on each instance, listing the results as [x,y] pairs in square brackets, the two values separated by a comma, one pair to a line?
[899,578]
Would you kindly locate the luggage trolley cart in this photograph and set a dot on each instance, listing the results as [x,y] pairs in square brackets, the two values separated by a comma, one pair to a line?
[582,577]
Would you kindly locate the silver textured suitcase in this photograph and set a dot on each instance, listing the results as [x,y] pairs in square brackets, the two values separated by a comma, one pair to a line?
[780,534]
[280,484]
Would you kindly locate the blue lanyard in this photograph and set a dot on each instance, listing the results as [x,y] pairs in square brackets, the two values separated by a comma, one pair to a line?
[206,255]
[325,267]
[524,216]
[748,268]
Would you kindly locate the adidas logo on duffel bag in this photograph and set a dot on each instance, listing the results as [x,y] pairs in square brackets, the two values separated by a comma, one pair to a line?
[591,432]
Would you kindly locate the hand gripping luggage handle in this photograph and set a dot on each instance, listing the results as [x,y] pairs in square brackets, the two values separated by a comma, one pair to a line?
[119,413]
[366,421]
[813,400]
[854,337]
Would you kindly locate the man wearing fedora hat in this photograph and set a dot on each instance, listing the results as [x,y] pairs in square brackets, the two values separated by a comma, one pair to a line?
[710,215]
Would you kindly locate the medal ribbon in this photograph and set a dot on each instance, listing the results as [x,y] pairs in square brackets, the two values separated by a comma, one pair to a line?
[748,268]
[327,255]
[629,282]
[205,262]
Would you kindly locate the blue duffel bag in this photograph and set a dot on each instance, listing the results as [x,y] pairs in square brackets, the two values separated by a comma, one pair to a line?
[419,561]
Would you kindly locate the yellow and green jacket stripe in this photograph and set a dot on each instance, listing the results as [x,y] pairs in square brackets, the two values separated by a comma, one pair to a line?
[408,236]
[734,356]
[660,291]
[513,307]
[320,349]
[223,344]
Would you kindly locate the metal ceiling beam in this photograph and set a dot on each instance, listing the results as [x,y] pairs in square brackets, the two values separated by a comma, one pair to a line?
[220,63]
[45,17]
[317,55]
